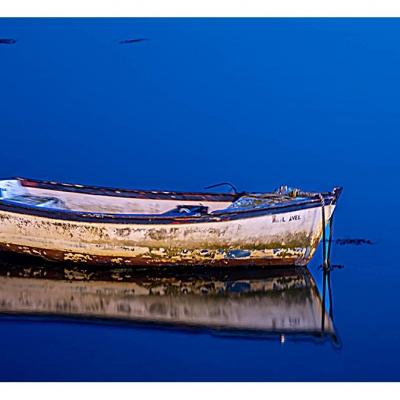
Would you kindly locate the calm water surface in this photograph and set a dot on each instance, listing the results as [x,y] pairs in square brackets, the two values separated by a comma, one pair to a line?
[260,103]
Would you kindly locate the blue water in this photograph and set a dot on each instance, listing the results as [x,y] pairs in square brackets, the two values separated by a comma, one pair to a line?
[258,102]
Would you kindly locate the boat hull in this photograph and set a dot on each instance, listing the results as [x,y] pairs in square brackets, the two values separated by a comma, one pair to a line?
[282,238]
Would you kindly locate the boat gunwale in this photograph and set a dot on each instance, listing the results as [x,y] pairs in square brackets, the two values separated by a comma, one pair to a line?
[216,216]
[125,193]
[145,193]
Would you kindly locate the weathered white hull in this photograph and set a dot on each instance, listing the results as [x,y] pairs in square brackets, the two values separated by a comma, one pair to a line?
[285,238]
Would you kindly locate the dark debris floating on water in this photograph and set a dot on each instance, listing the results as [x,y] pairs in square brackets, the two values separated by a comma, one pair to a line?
[7,41]
[132,41]
[354,242]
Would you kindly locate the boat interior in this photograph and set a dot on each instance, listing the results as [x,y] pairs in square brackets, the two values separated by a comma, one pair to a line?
[51,195]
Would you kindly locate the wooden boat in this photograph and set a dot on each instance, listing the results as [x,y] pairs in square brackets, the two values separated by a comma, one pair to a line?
[264,302]
[97,225]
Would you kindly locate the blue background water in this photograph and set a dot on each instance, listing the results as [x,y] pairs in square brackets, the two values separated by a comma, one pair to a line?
[258,102]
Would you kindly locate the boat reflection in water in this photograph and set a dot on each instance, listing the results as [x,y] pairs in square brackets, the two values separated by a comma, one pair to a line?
[264,302]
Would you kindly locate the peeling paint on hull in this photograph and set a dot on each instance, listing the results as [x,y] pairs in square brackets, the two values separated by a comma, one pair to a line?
[287,238]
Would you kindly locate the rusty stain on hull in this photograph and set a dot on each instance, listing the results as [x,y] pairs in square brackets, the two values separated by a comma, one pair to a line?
[79,258]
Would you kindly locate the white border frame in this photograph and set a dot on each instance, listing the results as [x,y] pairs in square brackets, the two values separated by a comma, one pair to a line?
[200,8]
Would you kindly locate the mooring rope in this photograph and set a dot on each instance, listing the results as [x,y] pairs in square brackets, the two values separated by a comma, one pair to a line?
[325,261]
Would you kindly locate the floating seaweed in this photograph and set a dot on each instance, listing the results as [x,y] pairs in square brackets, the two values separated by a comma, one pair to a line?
[7,41]
[131,41]
[353,242]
